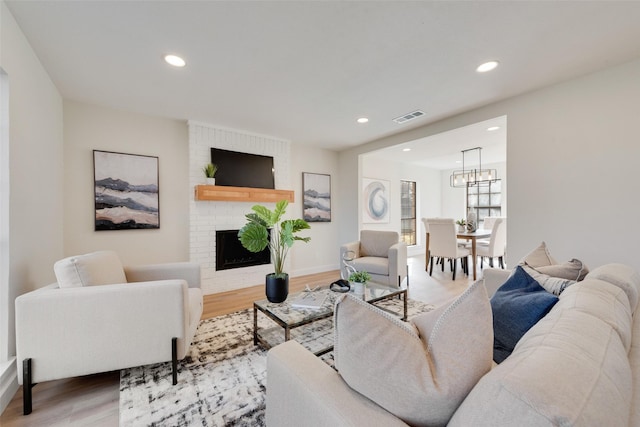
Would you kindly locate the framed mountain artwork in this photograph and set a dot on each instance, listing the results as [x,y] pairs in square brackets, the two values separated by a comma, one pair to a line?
[126,191]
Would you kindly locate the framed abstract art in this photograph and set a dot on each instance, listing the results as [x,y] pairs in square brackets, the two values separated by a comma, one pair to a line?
[316,189]
[375,199]
[126,191]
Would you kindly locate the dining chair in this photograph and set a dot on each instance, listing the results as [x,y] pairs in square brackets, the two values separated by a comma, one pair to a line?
[488,221]
[487,224]
[497,244]
[443,244]
[426,244]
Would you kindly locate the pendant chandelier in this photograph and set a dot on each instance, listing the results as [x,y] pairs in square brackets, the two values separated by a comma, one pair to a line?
[470,177]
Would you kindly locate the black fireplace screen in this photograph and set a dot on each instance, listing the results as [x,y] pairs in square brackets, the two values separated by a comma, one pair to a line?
[231,254]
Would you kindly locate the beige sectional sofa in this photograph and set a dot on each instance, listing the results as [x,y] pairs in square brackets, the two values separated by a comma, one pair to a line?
[578,366]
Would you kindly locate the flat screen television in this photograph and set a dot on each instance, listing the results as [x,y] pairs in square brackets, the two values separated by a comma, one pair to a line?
[238,169]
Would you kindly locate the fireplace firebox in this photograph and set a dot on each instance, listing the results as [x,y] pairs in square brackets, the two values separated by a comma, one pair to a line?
[231,254]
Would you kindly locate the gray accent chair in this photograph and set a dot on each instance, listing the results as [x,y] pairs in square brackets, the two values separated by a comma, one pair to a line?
[381,254]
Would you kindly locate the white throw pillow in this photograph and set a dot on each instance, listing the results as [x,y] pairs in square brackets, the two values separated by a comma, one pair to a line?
[419,371]
[539,257]
[96,268]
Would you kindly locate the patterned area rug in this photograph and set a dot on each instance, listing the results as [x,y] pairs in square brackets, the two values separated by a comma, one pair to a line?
[222,381]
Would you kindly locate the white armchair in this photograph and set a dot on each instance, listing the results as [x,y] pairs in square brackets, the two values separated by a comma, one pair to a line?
[381,254]
[101,317]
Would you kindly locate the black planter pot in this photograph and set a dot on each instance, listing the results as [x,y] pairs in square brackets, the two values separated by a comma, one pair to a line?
[277,288]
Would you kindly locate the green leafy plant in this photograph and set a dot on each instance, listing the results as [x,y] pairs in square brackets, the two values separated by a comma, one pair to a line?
[210,170]
[360,277]
[254,236]
[461,222]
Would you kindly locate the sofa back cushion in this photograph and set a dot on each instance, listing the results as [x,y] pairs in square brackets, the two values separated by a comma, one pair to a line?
[603,300]
[96,268]
[419,371]
[622,276]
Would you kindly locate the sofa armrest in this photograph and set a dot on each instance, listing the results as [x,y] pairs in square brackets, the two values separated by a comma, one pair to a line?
[351,246]
[78,331]
[494,278]
[188,271]
[302,390]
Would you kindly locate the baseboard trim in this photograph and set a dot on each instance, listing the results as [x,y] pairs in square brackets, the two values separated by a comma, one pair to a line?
[313,270]
[8,382]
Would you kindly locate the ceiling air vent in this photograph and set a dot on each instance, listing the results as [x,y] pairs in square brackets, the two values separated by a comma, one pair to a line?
[409,116]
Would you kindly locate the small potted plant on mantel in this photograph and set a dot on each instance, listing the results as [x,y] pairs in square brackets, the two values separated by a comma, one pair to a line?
[358,281]
[254,236]
[210,172]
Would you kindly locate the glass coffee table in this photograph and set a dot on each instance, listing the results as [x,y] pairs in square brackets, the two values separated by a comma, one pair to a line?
[287,317]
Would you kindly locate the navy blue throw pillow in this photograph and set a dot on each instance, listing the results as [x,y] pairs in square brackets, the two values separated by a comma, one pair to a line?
[517,305]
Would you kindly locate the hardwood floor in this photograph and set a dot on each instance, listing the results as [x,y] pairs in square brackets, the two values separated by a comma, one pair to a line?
[93,400]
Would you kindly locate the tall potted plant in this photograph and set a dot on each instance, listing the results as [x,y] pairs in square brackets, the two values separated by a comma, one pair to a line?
[254,236]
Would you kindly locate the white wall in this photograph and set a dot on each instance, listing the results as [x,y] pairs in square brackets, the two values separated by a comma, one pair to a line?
[88,128]
[36,181]
[572,153]
[321,253]
[429,203]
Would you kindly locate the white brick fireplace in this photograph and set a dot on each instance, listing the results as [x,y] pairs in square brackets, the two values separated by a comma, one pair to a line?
[208,216]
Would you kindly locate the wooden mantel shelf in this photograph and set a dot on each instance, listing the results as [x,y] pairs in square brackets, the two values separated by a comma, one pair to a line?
[241,194]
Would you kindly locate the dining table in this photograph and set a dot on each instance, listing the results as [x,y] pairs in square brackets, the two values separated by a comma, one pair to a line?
[473,236]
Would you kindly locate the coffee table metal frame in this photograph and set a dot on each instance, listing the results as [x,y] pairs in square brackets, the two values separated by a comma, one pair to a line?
[288,317]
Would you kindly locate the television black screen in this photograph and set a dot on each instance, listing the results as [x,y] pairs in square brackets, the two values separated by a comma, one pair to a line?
[238,169]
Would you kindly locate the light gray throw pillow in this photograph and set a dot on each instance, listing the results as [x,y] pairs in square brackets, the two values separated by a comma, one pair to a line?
[96,268]
[573,269]
[419,371]
[555,285]
[551,275]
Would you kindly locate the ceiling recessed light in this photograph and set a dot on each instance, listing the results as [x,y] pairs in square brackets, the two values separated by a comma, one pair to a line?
[487,66]
[492,128]
[174,60]
[363,120]
[406,149]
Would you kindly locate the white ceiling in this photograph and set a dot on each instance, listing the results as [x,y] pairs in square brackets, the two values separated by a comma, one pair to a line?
[444,150]
[306,70]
